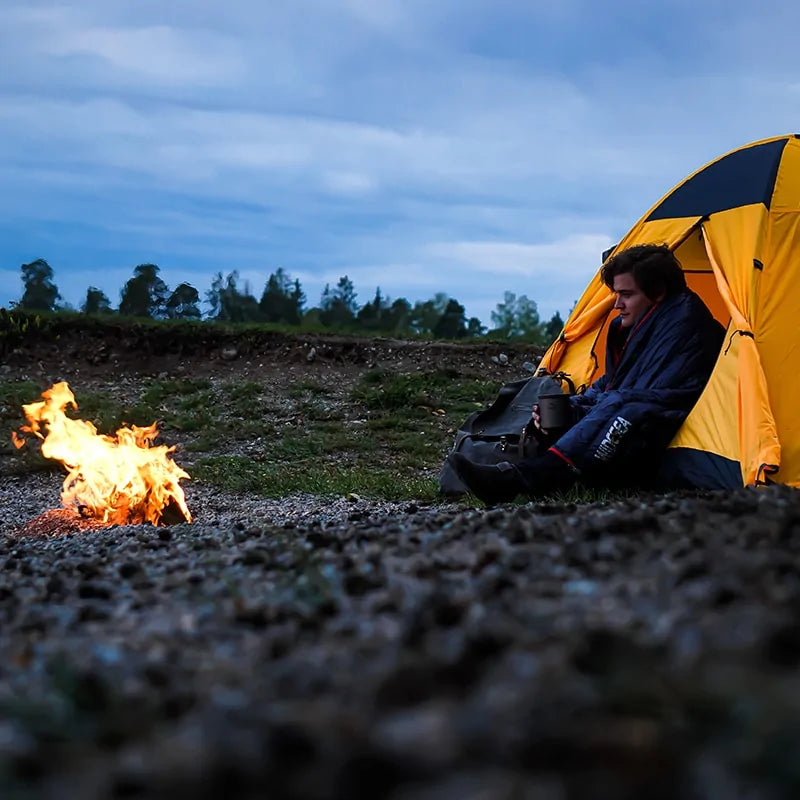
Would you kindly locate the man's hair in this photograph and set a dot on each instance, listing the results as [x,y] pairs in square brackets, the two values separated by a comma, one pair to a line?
[653,266]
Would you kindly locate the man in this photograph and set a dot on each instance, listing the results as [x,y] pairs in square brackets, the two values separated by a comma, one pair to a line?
[660,351]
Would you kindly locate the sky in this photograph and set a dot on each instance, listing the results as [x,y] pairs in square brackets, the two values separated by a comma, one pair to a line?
[470,147]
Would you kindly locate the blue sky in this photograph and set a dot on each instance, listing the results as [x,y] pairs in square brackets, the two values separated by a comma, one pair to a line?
[463,146]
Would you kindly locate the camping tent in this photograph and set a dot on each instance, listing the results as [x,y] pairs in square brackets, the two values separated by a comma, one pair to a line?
[735,227]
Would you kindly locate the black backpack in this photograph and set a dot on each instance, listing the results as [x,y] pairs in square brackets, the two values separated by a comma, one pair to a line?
[503,431]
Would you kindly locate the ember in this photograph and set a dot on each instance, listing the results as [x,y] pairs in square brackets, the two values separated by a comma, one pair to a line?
[55,523]
[120,479]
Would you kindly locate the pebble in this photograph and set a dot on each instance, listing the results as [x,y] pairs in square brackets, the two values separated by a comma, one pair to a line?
[319,642]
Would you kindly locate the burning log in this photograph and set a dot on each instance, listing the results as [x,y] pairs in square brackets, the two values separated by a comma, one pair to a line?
[121,479]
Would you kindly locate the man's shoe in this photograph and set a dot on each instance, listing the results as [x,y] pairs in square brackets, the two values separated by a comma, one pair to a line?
[492,483]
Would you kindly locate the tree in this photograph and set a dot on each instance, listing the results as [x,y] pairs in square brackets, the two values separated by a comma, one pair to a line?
[338,308]
[517,318]
[40,292]
[311,318]
[425,315]
[228,303]
[452,323]
[326,298]
[345,294]
[145,294]
[397,318]
[96,302]
[552,328]
[298,298]
[183,303]
[370,315]
[214,296]
[475,329]
[282,301]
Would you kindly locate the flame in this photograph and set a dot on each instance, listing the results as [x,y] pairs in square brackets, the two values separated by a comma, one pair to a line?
[120,479]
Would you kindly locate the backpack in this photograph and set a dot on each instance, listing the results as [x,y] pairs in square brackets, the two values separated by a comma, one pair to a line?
[503,431]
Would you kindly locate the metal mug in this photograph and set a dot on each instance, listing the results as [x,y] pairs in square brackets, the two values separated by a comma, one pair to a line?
[554,411]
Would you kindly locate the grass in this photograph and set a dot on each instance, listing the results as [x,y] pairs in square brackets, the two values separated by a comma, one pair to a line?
[305,388]
[384,438]
[384,391]
[388,442]
[238,474]
[158,391]
[13,395]
[580,494]
[387,439]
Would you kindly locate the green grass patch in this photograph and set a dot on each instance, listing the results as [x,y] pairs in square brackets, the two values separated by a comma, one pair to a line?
[241,430]
[158,391]
[203,443]
[418,448]
[108,414]
[317,411]
[387,424]
[202,400]
[237,474]
[184,404]
[29,460]
[243,399]
[15,394]
[380,441]
[386,391]
[394,441]
[304,388]
[581,494]
[311,443]
[200,421]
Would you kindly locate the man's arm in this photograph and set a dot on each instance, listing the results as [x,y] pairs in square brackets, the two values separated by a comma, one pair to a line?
[583,402]
[673,376]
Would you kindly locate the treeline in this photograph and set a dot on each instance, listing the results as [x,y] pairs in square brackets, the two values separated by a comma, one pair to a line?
[283,302]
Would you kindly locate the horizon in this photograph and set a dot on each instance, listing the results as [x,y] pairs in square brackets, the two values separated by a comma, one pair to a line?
[205,306]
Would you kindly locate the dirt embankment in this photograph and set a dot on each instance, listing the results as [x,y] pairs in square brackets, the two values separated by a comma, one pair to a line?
[106,344]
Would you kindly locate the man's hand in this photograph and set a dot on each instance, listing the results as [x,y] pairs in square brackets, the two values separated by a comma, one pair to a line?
[537,421]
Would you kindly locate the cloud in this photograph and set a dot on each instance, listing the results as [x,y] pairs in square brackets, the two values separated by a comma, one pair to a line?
[553,274]
[477,273]
[386,16]
[347,183]
[548,260]
[153,53]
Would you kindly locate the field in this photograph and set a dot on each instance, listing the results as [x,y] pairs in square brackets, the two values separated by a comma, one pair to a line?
[327,627]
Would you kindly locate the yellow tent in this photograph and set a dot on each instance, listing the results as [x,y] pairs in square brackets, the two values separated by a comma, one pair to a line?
[735,227]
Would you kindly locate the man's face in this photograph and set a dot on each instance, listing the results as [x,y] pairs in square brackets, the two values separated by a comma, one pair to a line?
[631,300]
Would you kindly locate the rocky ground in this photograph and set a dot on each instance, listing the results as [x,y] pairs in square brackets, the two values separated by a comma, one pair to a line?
[344,648]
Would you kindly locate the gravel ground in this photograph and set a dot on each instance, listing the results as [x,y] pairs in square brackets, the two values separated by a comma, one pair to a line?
[351,649]
[338,649]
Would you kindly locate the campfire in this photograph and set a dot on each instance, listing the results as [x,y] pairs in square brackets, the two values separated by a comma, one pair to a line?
[120,479]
